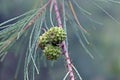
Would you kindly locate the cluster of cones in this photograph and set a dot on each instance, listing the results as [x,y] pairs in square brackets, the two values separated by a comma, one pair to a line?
[49,42]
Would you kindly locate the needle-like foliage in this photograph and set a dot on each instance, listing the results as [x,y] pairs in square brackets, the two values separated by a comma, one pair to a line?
[11,32]
[61,13]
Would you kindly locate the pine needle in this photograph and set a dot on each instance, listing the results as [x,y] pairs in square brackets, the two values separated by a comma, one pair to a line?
[66,76]
[107,13]
[23,15]
[77,72]
[51,8]
[64,23]
[79,38]
[82,9]
[113,1]
[75,16]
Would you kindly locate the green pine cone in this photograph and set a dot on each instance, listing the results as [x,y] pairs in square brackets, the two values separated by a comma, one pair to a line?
[43,41]
[56,35]
[53,36]
[52,52]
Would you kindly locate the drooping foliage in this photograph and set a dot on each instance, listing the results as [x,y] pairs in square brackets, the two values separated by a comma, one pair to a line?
[35,22]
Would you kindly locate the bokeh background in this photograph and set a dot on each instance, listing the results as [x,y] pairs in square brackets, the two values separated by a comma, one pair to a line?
[103,34]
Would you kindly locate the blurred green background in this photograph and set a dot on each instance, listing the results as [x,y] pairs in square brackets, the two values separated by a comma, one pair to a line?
[104,38]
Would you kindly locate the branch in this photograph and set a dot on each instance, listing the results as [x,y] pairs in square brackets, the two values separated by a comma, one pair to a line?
[69,64]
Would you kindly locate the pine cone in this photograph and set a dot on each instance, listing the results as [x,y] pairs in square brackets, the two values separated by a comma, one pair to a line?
[56,35]
[43,41]
[52,52]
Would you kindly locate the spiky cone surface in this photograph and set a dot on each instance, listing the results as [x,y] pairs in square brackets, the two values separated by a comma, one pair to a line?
[52,52]
[56,35]
[43,41]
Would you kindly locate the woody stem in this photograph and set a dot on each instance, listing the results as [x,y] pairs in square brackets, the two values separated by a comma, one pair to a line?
[68,61]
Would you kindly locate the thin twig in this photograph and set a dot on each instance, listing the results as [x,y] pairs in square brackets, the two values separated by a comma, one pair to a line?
[69,66]
[37,15]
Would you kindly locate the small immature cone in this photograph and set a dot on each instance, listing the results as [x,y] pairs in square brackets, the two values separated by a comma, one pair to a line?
[49,41]
[53,36]
[43,41]
[56,35]
[52,52]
